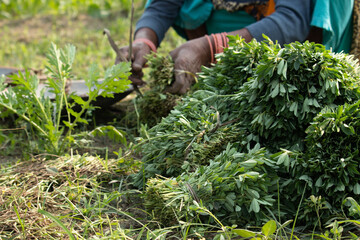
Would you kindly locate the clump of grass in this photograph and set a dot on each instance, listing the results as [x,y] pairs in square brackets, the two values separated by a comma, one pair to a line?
[84,193]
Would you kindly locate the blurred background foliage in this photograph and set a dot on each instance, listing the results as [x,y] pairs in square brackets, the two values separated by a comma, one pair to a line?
[97,8]
[27,28]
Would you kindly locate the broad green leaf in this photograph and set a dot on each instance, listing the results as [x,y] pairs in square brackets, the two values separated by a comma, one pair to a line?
[269,228]
[348,130]
[357,188]
[280,67]
[254,206]
[275,91]
[244,233]
[283,158]
[319,182]
[249,164]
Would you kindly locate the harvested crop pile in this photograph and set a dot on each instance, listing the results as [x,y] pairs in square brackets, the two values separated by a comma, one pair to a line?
[258,94]
[234,185]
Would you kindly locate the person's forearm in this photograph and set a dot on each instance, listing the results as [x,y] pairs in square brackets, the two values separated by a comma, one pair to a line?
[159,16]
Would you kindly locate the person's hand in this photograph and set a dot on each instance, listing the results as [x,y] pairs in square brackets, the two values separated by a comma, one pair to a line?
[145,42]
[188,59]
[138,60]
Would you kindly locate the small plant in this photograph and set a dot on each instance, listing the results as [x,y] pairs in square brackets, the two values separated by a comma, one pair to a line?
[46,116]
[267,232]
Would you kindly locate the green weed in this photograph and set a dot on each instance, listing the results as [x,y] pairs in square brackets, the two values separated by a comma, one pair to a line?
[46,116]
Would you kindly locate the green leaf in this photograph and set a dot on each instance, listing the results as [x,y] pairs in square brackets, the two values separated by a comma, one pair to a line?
[284,70]
[294,108]
[280,67]
[357,188]
[249,164]
[269,228]
[348,130]
[319,182]
[244,233]
[355,207]
[283,158]
[306,105]
[254,206]
[230,200]
[78,100]
[275,91]
[111,132]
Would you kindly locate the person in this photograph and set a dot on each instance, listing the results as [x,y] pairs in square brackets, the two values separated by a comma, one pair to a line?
[205,24]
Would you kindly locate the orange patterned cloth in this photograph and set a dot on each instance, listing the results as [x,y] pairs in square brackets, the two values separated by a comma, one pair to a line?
[355,47]
[258,9]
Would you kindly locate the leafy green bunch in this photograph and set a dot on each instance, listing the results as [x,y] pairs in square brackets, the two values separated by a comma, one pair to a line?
[46,117]
[236,186]
[233,68]
[256,93]
[197,130]
[289,86]
[330,163]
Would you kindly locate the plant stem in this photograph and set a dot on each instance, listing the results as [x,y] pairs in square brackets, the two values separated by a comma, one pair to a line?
[297,212]
[25,118]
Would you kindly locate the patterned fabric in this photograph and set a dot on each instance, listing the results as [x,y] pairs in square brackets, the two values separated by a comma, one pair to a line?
[355,46]
[232,6]
[256,8]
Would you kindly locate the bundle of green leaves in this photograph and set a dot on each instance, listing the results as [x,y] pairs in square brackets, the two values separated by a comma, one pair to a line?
[290,86]
[330,164]
[194,132]
[257,93]
[264,93]
[237,186]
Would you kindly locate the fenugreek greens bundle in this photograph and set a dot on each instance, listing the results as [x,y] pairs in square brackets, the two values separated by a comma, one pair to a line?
[257,94]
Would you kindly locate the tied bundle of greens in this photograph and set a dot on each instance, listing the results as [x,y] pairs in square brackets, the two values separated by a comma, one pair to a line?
[258,94]
[290,86]
[237,186]
[329,165]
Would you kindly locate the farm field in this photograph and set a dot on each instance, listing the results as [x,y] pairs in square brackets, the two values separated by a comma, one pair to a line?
[264,146]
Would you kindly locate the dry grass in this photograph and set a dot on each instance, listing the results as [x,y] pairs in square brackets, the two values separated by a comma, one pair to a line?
[85,193]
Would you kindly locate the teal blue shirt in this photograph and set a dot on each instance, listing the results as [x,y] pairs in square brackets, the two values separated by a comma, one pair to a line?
[335,18]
